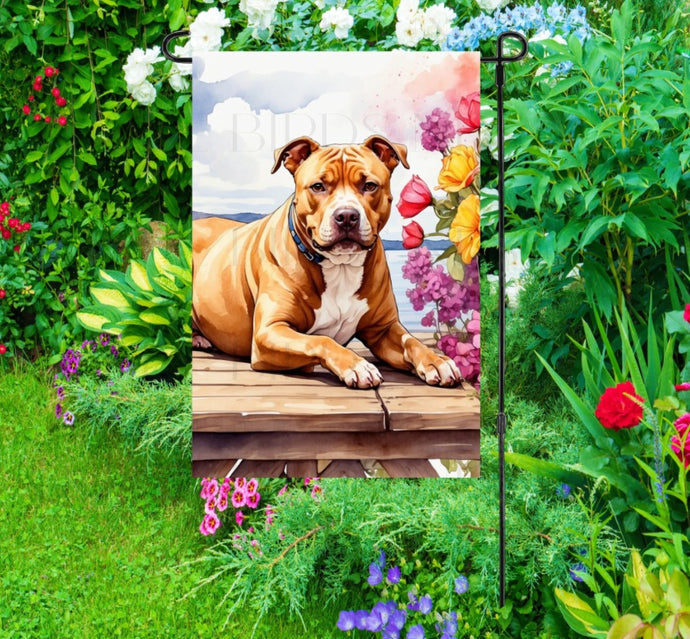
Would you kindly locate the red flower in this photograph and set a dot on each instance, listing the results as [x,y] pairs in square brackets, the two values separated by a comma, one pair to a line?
[17,248]
[49,71]
[414,197]
[27,109]
[31,98]
[683,387]
[3,349]
[62,120]
[680,443]
[39,78]
[2,293]
[468,113]
[6,234]
[686,314]
[12,222]
[56,92]
[47,118]
[37,118]
[37,86]
[60,101]
[5,207]
[26,226]
[413,235]
[617,407]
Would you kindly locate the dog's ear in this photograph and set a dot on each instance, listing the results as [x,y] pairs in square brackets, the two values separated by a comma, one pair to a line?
[294,153]
[388,152]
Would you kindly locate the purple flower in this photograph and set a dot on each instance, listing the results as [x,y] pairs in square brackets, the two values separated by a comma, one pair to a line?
[564,490]
[85,344]
[68,418]
[449,626]
[58,410]
[415,632]
[393,575]
[360,619]
[425,604]
[437,130]
[124,367]
[60,392]
[98,372]
[61,296]
[104,339]
[577,568]
[346,620]
[114,351]
[375,575]
[462,585]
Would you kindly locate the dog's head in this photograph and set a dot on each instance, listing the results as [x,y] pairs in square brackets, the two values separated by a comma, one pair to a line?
[342,192]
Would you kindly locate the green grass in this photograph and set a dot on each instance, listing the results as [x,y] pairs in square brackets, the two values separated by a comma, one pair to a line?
[95,541]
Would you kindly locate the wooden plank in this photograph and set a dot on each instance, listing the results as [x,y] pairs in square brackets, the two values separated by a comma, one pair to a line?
[408,468]
[213,468]
[306,468]
[296,412]
[456,444]
[248,377]
[344,468]
[260,468]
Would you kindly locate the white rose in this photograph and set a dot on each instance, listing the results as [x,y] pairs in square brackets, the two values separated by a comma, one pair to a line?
[489,6]
[207,30]
[409,32]
[183,68]
[338,18]
[139,65]
[438,21]
[177,81]
[144,93]
[260,13]
[319,4]
[407,10]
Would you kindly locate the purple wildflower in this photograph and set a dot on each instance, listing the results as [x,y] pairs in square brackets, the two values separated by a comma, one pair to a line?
[563,490]
[375,575]
[393,575]
[577,568]
[124,367]
[104,338]
[416,632]
[462,585]
[346,620]
[114,351]
[60,392]
[437,131]
[58,410]
[68,418]
[425,604]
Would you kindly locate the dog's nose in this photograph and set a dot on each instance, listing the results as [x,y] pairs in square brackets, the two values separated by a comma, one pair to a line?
[346,219]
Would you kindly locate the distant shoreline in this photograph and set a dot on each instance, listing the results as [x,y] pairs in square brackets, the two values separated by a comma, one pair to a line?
[389,245]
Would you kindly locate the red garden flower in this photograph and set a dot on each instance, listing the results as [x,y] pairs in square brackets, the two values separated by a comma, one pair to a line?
[26,226]
[3,349]
[47,118]
[60,101]
[37,118]
[468,113]
[12,222]
[685,386]
[27,109]
[5,207]
[618,407]
[686,314]
[56,92]
[414,197]
[2,293]
[413,235]
[49,71]
[31,98]
[680,443]
[17,248]
[62,120]
[6,234]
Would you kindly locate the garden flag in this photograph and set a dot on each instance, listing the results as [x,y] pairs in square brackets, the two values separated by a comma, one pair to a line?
[336,288]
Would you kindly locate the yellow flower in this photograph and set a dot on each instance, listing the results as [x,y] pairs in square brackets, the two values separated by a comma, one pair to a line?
[459,169]
[464,229]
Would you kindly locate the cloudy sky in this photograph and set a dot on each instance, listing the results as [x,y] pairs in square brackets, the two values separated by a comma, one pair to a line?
[247,104]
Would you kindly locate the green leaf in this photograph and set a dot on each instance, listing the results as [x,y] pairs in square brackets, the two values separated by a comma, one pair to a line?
[626,627]
[152,317]
[580,615]
[153,366]
[552,470]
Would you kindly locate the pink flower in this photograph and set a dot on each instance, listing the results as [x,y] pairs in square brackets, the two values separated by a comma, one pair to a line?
[239,517]
[252,486]
[468,113]
[211,488]
[253,500]
[222,503]
[283,490]
[680,443]
[210,506]
[239,498]
[62,120]
[683,387]
[414,197]
[204,488]
[316,491]
[413,235]
[225,487]
[240,483]
[211,523]
[686,313]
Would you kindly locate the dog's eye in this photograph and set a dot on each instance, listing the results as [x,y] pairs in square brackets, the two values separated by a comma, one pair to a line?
[318,187]
[370,187]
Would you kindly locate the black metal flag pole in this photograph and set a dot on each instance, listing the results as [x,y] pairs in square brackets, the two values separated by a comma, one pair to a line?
[499,61]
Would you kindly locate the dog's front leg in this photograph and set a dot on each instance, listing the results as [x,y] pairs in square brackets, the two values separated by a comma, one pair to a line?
[277,346]
[398,348]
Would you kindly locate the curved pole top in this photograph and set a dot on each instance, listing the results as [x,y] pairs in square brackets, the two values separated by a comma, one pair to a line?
[166,41]
[503,57]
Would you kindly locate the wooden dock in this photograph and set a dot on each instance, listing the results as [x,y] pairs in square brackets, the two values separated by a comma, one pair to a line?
[306,425]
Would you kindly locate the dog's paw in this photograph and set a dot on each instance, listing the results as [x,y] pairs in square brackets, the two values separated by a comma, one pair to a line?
[363,375]
[442,372]
[199,341]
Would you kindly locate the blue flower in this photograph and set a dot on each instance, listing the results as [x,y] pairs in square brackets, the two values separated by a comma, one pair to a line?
[382,560]
[449,626]
[375,575]
[578,567]
[462,585]
[393,575]
[415,632]
[425,604]
[346,620]
[563,490]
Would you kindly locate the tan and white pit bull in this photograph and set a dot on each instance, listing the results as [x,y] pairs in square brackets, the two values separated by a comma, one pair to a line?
[289,290]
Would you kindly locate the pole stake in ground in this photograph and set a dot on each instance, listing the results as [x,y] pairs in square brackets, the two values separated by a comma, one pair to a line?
[499,60]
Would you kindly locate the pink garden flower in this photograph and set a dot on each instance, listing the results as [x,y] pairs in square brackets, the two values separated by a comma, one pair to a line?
[222,503]
[685,386]
[239,517]
[253,500]
[225,487]
[414,197]
[316,491]
[413,235]
[468,113]
[252,486]
[680,443]
[211,489]
[686,313]
[240,483]
[210,524]
[239,498]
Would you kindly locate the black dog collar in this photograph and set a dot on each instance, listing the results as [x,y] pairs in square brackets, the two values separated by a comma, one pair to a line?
[312,257]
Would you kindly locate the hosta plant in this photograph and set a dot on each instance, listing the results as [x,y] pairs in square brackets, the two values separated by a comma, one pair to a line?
[150,308]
